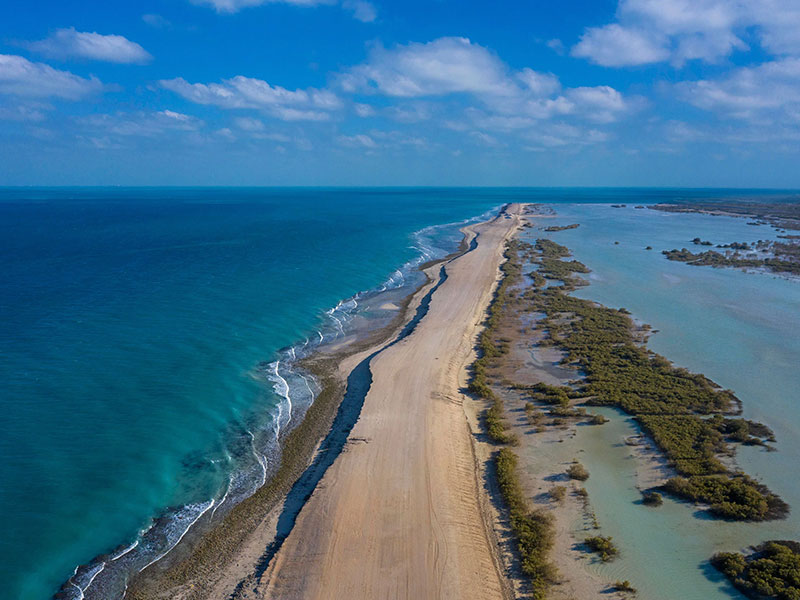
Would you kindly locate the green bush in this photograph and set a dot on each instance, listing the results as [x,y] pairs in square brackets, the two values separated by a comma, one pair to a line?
[730,497]
[771,571]
[598,420]
[558,493]
[652,499]
[535,416]
[785,260]
[533,529]
[688,441]
[681,412]
[554,228]
[602,546]
[578,471]
[624,586]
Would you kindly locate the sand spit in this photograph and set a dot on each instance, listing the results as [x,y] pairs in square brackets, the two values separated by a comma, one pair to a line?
[228,559]
[399,513]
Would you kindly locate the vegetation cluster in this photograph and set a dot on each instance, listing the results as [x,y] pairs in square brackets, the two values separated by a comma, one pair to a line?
[554,228]
[771,571]
[652,498]
[784,257]
[532,528]
[682,412]
[577,471]
[489,348]
[781,214]
[785,262]
[624,585]
[603,546]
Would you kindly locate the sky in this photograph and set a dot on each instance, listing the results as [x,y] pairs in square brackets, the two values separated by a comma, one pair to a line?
[686,93]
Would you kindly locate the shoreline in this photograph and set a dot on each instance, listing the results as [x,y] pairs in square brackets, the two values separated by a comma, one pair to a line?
[257,524]
[398,513]
[249,527]
[543,460]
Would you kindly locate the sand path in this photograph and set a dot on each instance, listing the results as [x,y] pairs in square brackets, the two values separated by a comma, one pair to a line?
[398,515]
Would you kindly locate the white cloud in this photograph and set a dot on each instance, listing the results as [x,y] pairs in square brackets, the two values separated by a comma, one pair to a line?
[768,92]
[458,67]
[256,129]
[616,46]
[21,77]
[444,66]
[398,139]
[232,6]
[294,114]
[780,25]
[156,21]
[357,141]
[32,112]
[176,116]
[247,92]
[539,84]
[651,31]
[556,45]
[69,43]
[225,133]
[561,135]
[248,124]
[486,139]
[410,112]
[141,123]
[362,10]
[364,110]
[504,123]
[601,104]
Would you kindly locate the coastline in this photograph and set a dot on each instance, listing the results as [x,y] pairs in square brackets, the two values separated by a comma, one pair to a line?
[544,458]
[255,565]
[218,562]
[725,536]
[411,455]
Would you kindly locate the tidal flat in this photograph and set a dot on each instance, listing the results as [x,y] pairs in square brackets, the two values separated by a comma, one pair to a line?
[738,329]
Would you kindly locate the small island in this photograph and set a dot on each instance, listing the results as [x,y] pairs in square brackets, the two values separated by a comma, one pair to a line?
[771,570]
[554,228]
[777,257]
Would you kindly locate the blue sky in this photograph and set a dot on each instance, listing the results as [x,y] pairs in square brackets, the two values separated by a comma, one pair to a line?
[374,92]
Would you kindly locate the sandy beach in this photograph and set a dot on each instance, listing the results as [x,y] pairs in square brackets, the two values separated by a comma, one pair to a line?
[401,511]
[398,514]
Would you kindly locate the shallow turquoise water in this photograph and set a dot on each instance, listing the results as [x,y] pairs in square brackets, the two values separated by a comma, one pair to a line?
[740,329]
[139,329]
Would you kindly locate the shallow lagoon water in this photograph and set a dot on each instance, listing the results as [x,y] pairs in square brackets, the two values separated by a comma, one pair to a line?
[740,329]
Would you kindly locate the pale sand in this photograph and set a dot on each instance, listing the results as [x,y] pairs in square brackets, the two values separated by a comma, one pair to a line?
[399,515]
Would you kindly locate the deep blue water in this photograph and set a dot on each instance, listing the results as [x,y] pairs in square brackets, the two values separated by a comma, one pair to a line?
[134,326]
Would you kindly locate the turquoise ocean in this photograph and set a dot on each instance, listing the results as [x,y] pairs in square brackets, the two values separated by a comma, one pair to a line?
[147,340]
